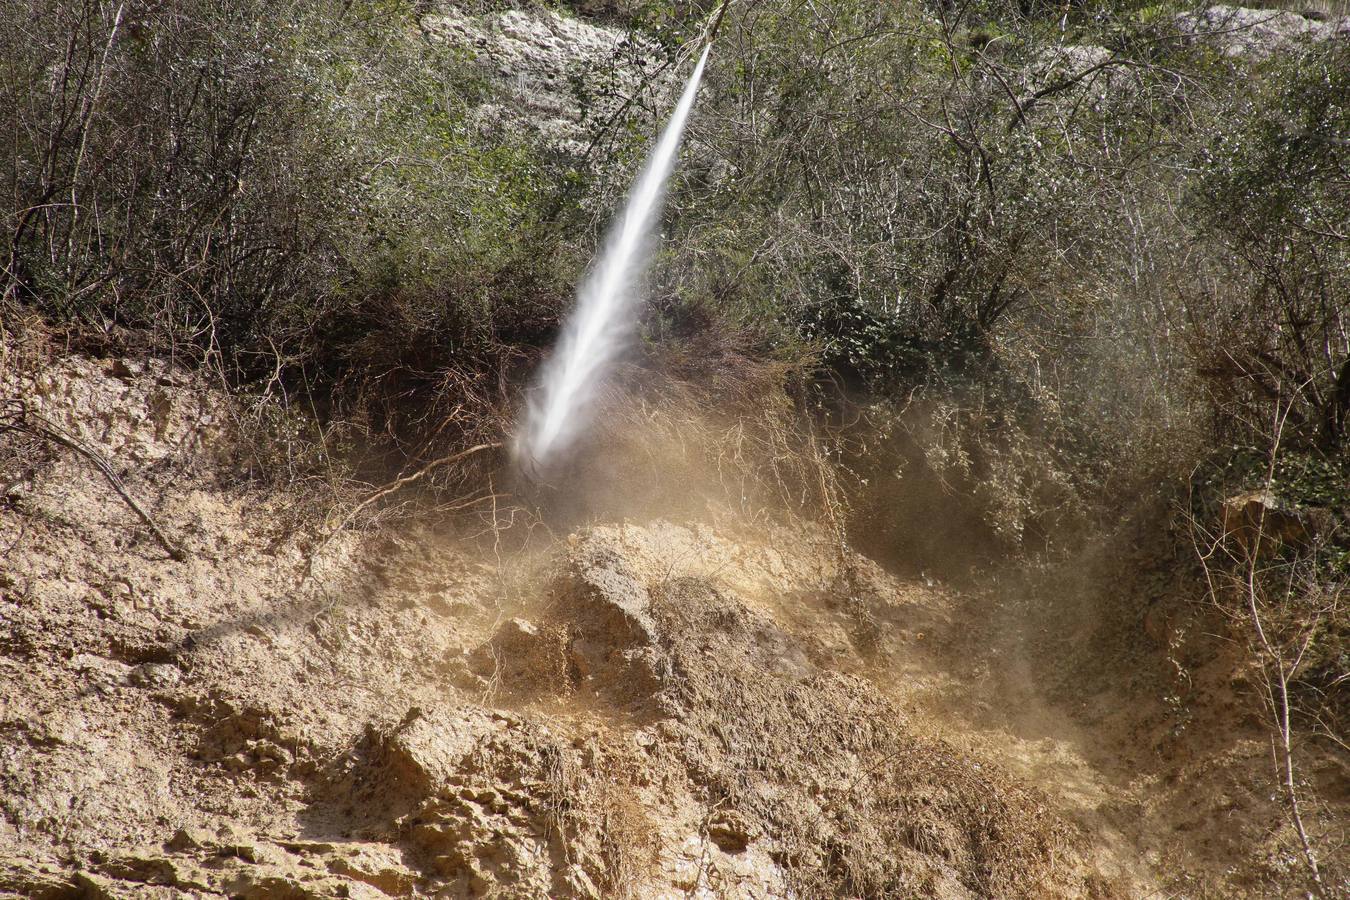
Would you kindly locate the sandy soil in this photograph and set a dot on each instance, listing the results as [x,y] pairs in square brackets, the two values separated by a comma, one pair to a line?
[636,709]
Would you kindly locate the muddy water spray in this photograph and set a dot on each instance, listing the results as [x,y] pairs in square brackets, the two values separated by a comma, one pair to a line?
[600,326]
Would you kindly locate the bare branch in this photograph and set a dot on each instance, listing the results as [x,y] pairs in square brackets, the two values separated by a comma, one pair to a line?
[21,418]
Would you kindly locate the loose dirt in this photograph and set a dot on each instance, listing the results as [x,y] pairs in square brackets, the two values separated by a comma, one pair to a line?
[648,708]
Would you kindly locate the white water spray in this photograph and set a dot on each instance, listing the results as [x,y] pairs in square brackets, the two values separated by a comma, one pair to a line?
[602,322]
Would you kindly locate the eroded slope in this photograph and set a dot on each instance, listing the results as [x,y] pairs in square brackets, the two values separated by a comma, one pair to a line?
[649,709]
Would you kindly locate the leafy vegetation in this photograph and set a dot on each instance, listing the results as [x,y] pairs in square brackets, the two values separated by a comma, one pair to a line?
[1042,257]
[296,196]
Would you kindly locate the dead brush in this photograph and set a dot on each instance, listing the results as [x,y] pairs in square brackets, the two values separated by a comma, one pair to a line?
[1284,610]
[591,810]
[629,842]
[670,439]
[441,438]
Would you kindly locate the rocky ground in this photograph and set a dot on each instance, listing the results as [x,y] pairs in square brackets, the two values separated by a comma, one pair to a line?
[643,709]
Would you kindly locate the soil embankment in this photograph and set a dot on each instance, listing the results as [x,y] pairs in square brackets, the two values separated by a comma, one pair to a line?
[654,709]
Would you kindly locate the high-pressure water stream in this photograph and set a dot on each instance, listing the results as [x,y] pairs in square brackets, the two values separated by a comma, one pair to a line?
[602,323]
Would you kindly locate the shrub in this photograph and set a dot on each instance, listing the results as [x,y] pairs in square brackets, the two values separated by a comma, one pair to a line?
[1270,318]
[297,195]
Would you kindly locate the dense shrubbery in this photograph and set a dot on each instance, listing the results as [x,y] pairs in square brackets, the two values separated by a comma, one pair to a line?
[293,192]
[1274,196]
[1056,254]
[1044,258]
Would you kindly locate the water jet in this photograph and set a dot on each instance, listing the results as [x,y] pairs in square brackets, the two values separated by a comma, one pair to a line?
[601,325]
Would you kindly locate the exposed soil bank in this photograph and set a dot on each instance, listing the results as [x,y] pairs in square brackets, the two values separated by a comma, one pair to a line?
[648,709]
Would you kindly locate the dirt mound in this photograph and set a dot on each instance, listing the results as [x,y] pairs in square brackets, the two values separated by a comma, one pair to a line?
[611,718]
[812,765]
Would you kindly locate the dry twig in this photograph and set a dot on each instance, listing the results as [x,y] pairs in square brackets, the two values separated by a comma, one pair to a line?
[1278,669]
[19,417]
[405,480]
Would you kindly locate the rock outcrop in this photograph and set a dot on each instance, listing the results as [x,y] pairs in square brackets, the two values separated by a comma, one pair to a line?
[557,78]
[1257,34]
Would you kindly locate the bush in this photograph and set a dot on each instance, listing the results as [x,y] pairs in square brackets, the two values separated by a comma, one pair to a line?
[296,193]
[1270,318]
[934,203]
[1039,259]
